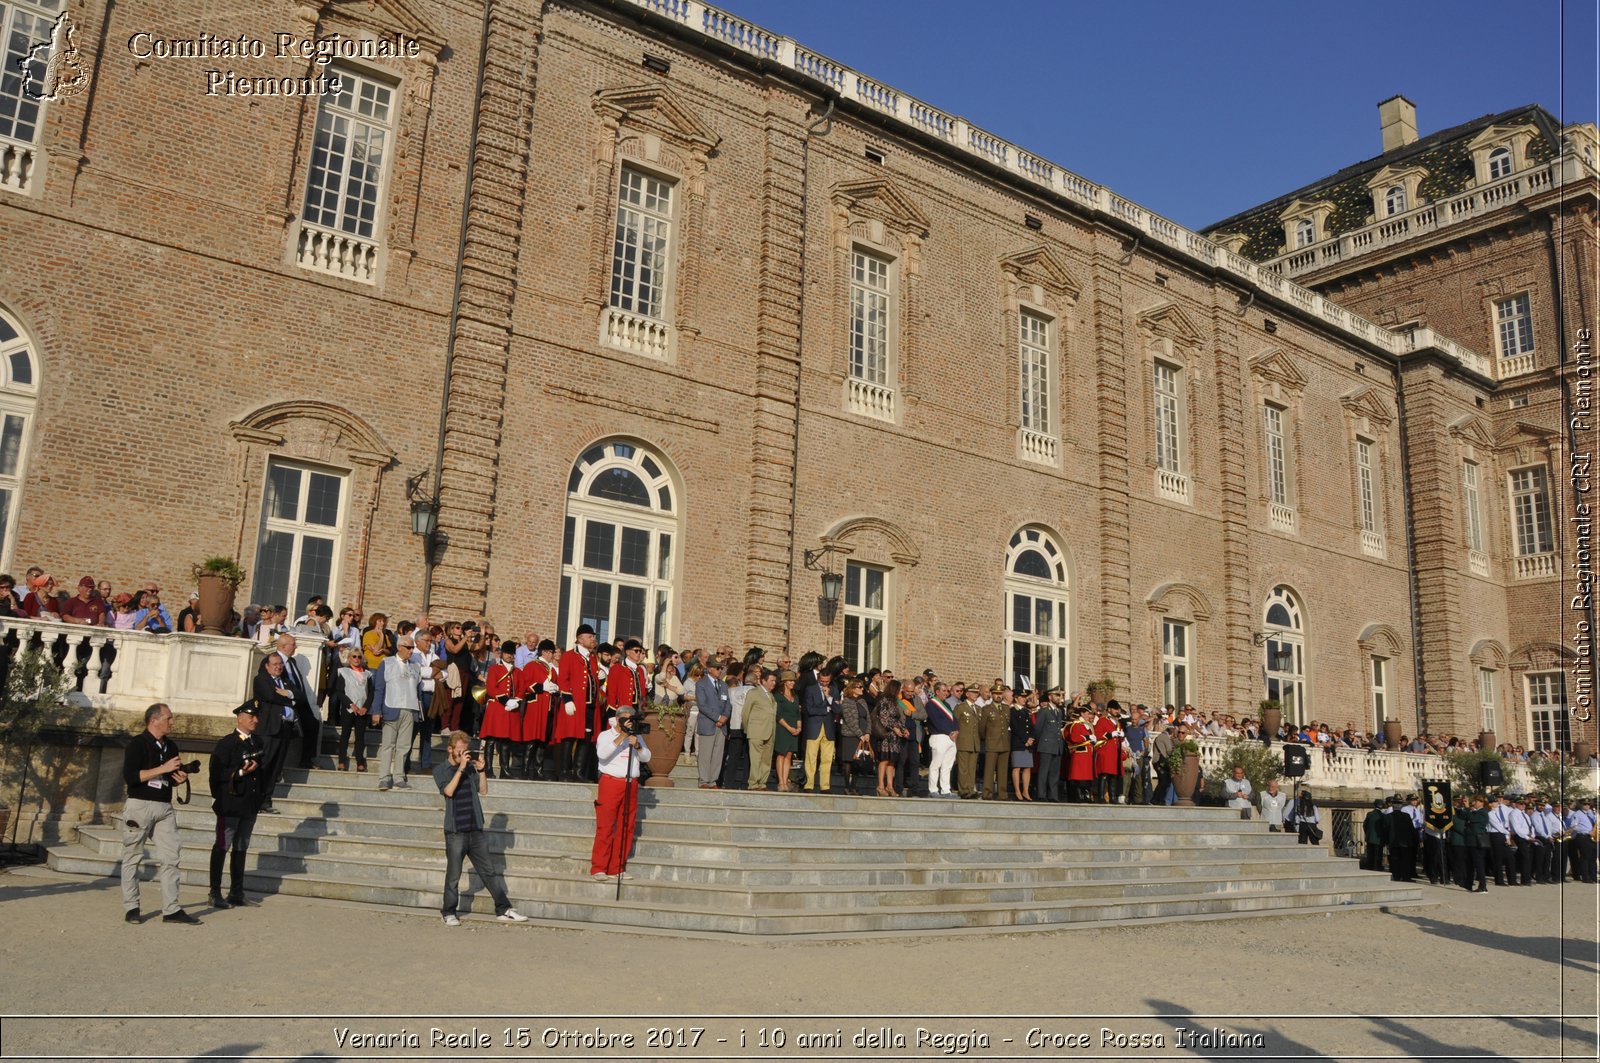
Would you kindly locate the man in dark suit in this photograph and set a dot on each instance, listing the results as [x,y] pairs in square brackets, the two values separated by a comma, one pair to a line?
[820,728]
[237,776]
[275,699]
[305,715]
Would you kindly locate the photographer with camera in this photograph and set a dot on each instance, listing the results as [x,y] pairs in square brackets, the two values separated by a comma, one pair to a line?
[461,778]
[238,782]
[620,750]
[151,768]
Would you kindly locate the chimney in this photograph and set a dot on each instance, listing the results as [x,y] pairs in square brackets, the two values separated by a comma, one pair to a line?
[1398,116]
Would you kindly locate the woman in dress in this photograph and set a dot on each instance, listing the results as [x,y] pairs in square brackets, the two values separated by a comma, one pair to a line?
[691,714]
[377,642]
[888,731]
[786,738]
[855,733]
[1022,747]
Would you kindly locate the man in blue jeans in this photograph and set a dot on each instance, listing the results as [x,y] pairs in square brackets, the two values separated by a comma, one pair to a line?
[460,779]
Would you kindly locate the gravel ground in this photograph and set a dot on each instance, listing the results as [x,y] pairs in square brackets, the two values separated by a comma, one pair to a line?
[1513,974]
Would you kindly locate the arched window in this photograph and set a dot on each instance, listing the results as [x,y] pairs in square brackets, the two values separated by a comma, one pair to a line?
[1305,233]
[1037,610]
[1394,200]
[1285,648]
[1499,163]
[618,560]
[19,392]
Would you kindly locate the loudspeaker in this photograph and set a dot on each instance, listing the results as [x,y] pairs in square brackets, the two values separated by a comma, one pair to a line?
[1489,773]
[1295,761]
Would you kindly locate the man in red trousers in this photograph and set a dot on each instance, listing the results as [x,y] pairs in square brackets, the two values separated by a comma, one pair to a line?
[620,752]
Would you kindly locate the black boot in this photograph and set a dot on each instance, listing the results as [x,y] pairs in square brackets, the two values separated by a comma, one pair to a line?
[488,759]
[215,896]
[508,760]
[536,755]
[236,879]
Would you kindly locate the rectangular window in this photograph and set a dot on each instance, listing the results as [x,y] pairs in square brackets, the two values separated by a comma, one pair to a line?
[870,307]
[1515,325]
[1277,457]
[1175,662]
[1380,691]
[1547,706]
[639,258]
[1369,500]
[1530,512]
[302,535]
[20,31]
[349,155]
[1486,713]
[1471,505]
[1034,359]
[1168,456]
[866,615]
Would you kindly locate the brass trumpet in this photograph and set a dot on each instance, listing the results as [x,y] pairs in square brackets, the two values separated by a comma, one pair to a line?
[479,692]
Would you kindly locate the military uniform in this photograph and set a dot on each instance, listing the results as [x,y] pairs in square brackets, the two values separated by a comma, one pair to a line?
[969,739]
[1375,829]
[997,739]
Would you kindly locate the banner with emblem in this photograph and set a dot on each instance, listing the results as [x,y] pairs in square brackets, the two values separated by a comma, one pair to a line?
[1437,811]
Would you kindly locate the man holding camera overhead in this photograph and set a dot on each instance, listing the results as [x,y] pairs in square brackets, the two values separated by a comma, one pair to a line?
[620,750]
[237,785]
[151,768]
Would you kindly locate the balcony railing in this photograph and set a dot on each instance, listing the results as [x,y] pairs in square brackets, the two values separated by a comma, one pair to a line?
[1036,446]
[1478,562]
[1516,365]
[627,331]
[1536,566]
[1372,543]
[1386,772]
[693,18]
[1281,517]
[340,253]
[200,675]
[868,399]
[18,165]
[1173,485]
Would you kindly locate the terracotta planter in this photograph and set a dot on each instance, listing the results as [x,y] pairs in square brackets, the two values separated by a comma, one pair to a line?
[1392,735]
[664,749]
[1271,720]
[1187,779]
[1486,740]
[1581,752]
[216,603]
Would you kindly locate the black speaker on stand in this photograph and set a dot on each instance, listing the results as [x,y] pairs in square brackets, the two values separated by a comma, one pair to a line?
[1489,774]
[1295,761]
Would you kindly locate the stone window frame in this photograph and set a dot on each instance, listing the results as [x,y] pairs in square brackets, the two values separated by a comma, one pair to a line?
[1512,491]
[1037,281]
[1317,212]
[1381,641]
[877,217]
[1057,590]
[881,543]
[412,80]
[1407,179]
[18,398]
[1368,417]
[1169,337]
[1535,657]
[299,530]
[653,129]
[1498,324]
[23,163]
[1515,139]
[1562,726]
[1475,447]
[1293,635]
[1181,603]
[313,433]
[1489,656]
[1277,380]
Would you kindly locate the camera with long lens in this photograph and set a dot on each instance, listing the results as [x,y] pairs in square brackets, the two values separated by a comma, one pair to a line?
[190,768]
[632,725]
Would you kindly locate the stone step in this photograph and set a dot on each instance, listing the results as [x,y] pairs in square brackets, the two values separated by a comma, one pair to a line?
[599,906]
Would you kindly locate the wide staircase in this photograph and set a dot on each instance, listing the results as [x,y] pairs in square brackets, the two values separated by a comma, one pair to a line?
[767,865]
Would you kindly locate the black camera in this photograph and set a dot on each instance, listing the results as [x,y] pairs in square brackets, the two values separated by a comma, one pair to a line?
[190,768]
[632,725]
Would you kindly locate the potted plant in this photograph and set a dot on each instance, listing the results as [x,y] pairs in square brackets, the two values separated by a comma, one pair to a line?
[1184,764]
[1271,718]
[1101,691]
[218,579]
[666,737]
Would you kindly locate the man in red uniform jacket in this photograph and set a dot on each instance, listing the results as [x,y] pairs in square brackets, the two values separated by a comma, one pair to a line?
[1080,754]
[537,687]
[581,705]
[627,681]
[1107,754]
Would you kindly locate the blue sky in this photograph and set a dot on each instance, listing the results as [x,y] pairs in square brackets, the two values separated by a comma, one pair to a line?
[1199,110]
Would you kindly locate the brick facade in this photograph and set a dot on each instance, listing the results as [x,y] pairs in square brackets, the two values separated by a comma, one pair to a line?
[170,308]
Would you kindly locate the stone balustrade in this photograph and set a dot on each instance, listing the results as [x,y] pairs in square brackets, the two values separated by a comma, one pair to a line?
[1173,485]
[869,400]
[1036,446]
[199,675]
[339,253]
[1281,517]
[636,333]
[1535,566]
[696,18]
[18,161]
[1381,773]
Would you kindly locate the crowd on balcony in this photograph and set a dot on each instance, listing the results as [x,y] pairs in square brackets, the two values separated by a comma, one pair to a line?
[96,603]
